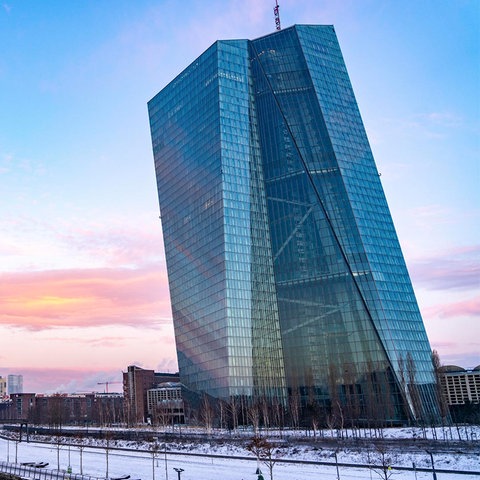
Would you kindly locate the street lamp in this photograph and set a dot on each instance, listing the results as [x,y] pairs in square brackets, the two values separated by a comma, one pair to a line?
[179,471]
[433,466]
[336,464]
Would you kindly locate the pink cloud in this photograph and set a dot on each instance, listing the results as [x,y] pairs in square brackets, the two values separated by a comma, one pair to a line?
[466,308]
[92,297]
[77,380]
[116,245]
[453,269]
[53,380]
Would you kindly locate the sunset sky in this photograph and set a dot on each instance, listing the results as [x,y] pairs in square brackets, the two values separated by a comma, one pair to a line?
[83,284]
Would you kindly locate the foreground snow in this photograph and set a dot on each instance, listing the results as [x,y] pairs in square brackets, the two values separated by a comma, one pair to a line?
[143,465]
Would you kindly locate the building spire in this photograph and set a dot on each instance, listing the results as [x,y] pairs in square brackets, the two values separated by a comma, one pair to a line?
[276,11]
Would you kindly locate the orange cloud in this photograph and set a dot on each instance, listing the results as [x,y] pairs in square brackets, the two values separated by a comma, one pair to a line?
[39,300]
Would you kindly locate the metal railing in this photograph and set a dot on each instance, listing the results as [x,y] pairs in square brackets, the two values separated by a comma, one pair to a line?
[28,472]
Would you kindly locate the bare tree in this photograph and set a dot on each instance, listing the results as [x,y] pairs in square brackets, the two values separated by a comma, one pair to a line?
[264,451]
[442,401]
[108,440]
[223,407]
[369,393]
[387,400]
[352,404]
[266,408]
[335,418]
[207,413]
[278,413]
[129,413]
[56,412]
[381,461]
[233,408]
[58,440]
[294,407]
[315,425]
[81,446]
[253,413]
[162,413]
[154,448]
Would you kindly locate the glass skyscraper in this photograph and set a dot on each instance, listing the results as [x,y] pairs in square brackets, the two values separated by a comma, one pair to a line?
[286,275]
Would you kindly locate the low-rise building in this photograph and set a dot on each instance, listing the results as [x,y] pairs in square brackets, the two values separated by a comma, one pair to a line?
[460,386]
[65,409]
[165,404]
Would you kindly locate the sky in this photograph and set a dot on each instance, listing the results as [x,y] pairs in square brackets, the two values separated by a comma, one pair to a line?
[83,282]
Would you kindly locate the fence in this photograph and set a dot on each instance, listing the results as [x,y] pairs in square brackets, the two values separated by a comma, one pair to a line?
[28,472]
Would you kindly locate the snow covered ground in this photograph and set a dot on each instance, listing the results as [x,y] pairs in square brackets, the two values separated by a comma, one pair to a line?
[142,464]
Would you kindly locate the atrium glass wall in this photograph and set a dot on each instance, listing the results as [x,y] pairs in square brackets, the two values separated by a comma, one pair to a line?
[214,218]
[284,266]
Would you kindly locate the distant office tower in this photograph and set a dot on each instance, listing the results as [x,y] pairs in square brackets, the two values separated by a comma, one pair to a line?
[15,384]
[3,386]
[136,382]
[286,276]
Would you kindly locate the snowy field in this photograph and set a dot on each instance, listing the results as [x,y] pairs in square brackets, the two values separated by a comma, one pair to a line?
[142,465]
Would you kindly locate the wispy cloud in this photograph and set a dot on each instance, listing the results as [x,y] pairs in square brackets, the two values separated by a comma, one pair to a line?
[117,245]
[444,119]
[464,308]
[58,380]
[434,125]
[77,380]
[452,269]
[432,211]
[31,243]
[59,298]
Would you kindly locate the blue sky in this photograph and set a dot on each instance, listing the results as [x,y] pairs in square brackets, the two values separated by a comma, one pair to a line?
[83,288]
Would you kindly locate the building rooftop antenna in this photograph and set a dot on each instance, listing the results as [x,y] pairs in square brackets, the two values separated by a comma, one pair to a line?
[276,11]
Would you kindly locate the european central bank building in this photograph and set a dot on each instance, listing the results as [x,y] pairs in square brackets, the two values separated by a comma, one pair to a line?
[286,277]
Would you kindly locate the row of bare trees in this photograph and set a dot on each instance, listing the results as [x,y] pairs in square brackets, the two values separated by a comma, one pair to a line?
[373,399]
[59,410]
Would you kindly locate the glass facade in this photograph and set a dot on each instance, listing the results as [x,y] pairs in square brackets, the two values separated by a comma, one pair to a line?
[286,276]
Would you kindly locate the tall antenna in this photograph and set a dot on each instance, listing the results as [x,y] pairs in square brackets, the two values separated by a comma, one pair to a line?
[277,15]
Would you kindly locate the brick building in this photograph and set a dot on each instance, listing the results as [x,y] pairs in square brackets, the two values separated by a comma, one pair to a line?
[136,383]
[64,409]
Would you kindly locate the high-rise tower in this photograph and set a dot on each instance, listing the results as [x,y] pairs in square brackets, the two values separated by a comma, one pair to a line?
[286,275]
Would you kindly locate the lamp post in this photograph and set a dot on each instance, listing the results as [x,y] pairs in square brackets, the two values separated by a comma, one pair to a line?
[154,452]
[336,465]
[179,472]
[166,467]
[433,465]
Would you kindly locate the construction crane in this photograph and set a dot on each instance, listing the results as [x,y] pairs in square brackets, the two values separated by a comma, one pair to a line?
[106,385]
[276,11]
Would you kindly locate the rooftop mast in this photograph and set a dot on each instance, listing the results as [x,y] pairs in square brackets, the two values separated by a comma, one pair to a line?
[277,15]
